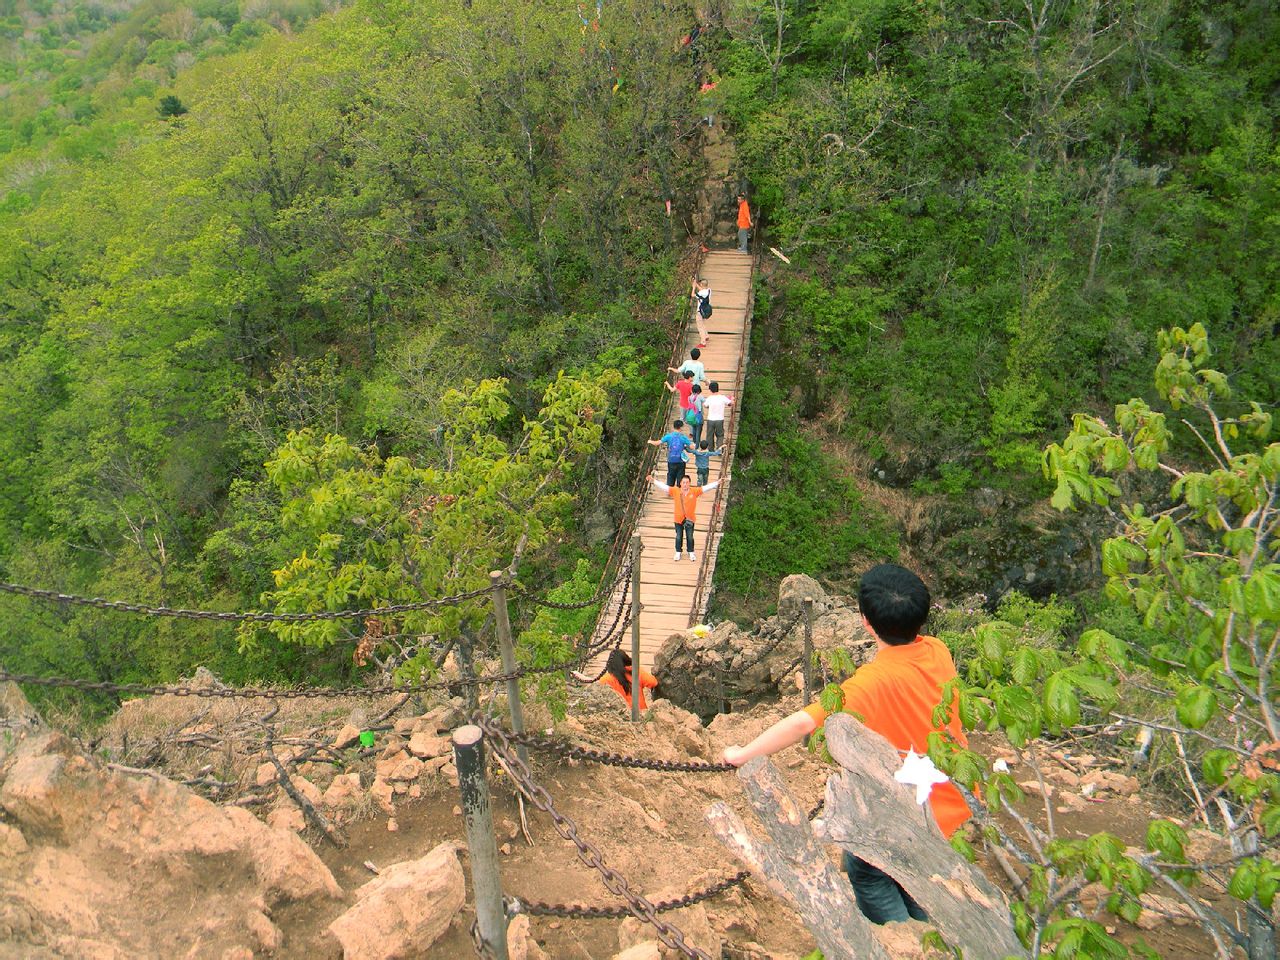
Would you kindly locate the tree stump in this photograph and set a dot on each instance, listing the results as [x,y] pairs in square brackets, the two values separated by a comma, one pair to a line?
[874,817]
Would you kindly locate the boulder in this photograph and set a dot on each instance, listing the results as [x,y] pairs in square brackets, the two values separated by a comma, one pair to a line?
[648,950]
[520,942]
[407,769]
[308,790]
[382,792]
[731,665]
[12,843]
[426,746]
[404,910]
[344,791]
[348,736]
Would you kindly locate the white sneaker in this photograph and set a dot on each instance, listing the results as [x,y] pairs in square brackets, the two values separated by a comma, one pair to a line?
[693,557]
[677,554]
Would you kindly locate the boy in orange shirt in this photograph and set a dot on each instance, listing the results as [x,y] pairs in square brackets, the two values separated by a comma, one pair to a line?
[744,223]
[894,695]
[686,502]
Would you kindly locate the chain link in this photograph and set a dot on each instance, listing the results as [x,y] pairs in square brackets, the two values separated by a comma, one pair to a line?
[537,908]
[253,616]
[588,852]
[576,751]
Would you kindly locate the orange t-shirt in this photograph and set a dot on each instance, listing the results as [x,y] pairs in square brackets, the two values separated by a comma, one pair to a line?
[744,215]
[686,502]
[647,682]
[895,695]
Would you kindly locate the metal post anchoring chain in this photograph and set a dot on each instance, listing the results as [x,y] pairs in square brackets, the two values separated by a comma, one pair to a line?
[588,852]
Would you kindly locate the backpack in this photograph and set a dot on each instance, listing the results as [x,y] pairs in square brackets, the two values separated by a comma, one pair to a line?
[692,417]
[704,307]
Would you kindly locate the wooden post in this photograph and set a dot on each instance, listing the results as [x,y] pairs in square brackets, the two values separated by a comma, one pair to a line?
[808,649]
[503,624]
[636,689]
[477,817]
[467,667]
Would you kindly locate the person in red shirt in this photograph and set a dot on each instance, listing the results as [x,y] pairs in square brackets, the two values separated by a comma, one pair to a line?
[686,497]
[684,389]
[894,695]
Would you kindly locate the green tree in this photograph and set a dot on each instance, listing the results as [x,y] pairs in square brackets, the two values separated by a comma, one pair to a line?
[380,531]
[1196,558]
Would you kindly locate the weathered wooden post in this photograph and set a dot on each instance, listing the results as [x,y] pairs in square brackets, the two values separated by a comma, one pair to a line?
[477,817]
[808,649]
[636,547]
[503,623]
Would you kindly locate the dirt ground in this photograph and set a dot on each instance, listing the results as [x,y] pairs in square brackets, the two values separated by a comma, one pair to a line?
[648,824]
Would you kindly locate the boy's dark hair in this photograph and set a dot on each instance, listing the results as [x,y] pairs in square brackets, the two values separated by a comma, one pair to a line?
[702,445]
[688,374]
[695,353]
[697,388]
[895,602]
[715,386]
[678,424]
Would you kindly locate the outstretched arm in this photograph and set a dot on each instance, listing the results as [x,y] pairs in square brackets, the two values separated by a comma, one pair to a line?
[654,443]
[661,486]
[711,486]
[782,734]
[670,388]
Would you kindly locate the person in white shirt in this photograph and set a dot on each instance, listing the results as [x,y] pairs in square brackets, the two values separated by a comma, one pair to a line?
[714,406]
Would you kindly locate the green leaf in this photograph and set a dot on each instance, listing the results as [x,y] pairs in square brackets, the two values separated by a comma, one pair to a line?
[1244,881]
[1195,706]
[1216,764]
[1026,666]
[1061,705]
[1167,838]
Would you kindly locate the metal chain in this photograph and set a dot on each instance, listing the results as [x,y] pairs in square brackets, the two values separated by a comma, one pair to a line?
[588,852]
[254,616]
[576,751]
[296,693]
[580,911]
[783,633]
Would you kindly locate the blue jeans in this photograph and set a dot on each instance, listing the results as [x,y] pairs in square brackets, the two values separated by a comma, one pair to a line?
[685,528]
[880,897]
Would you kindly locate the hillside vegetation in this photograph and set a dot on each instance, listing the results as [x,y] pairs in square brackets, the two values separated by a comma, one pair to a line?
[990,209]
[346,224]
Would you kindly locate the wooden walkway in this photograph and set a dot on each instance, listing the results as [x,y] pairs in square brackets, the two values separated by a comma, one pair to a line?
[669,589]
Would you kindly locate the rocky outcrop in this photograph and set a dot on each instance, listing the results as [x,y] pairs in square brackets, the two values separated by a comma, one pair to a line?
[404,910]
[731,666]
[83,839]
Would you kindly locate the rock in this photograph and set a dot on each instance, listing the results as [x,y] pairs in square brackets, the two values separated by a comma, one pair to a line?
[415,791]
[382,793]
[520,942]
[343,792]
[436,764]
[287,816]
[793,590]
[404,726]
[265,933]
[404,910]
[506,849]
[692,921]
[265,775]
[237,953]
[348,736]
[426,746]
[392,826]
[407,769]
[12,843]
[450,773]
[387,763]
[648,950]
[308,790]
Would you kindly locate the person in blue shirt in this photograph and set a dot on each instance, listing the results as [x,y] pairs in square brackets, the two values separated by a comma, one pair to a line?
[702,461]
[677,442]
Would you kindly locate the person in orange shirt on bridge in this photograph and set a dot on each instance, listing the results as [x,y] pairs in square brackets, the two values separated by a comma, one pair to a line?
[686,503]
[894,695]
[744,223]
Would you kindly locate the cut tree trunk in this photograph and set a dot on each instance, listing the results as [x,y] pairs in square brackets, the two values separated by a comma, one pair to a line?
[874,817]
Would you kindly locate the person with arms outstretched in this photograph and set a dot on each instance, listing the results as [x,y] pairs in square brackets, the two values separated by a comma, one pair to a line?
[894,695]
[685,497]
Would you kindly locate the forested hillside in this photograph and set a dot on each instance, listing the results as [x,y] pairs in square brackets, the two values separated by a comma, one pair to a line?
[398,227]
[990,208]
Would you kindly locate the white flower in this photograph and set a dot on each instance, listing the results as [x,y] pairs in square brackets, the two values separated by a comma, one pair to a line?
[921,773]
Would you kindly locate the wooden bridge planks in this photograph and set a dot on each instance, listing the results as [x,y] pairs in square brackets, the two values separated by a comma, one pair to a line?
[667,587]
